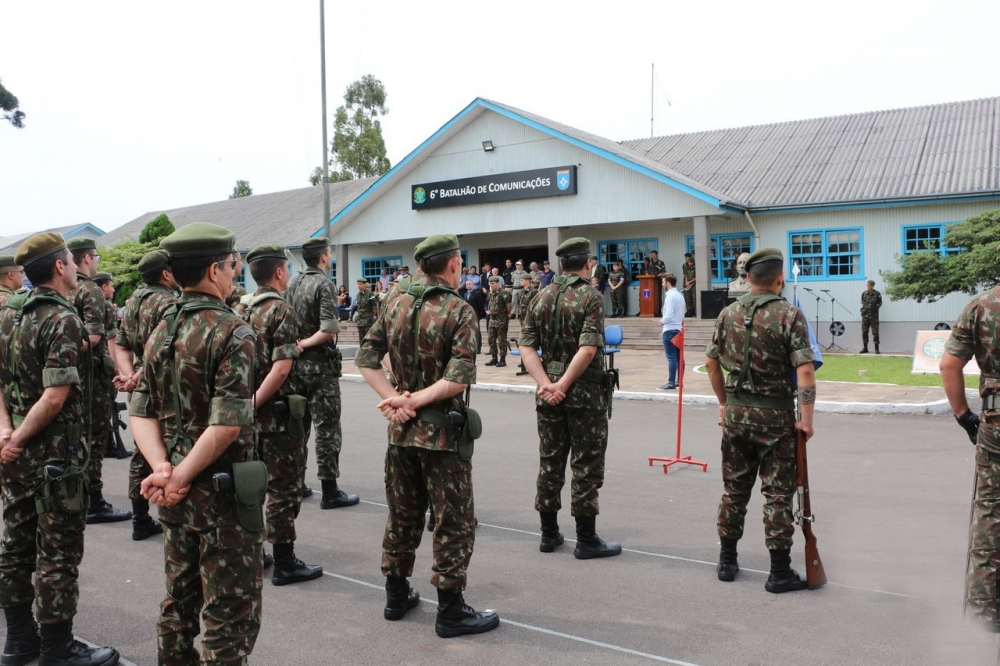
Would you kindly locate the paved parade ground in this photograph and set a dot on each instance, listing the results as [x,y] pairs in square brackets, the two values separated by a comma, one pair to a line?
[891,494]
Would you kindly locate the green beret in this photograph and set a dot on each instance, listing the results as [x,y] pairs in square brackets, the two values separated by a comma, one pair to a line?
[156,260]
[103,277]
[765,254]
[199,239]
[322,241]
[435,245]
[267,251]
[81,244]
[495,278]
[573,246]
[362,280]
[526,277]
[871,282]
[7,260]
[39,246]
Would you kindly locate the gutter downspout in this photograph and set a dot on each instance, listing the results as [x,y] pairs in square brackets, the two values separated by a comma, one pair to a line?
[756,234]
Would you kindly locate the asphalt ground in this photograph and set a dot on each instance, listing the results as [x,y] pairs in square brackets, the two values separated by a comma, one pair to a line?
[891,494]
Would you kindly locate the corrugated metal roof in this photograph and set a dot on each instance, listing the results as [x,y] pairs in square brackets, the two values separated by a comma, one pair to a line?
[943,149]
[9,244]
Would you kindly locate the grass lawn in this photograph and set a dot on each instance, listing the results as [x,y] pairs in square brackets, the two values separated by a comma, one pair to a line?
[881,369]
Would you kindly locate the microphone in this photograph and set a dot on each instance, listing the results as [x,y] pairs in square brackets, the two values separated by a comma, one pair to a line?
[807,289]
[827,291]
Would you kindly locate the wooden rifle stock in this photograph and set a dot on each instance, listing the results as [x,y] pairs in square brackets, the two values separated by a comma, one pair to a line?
[815,574]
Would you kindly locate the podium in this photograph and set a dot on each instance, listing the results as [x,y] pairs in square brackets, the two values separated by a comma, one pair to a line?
[650,296]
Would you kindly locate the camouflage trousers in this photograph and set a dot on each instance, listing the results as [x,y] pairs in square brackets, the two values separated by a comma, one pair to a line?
[48,546]
[689,302]
[581,437]
[748,451]
[869,322]
[619,300]
[414,478]
[100,432]
[363,326]
[138,470]
[286,462]
[323,391]
[985,534]
[214,570]
[498,338]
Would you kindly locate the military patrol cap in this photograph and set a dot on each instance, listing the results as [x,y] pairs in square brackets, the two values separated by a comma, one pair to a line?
[266,251]
[495,278]
[103,277]
[7,260]
[199,239]
[871,282]
[362,280]
[435,245]
[81,244]
[156,260]
[573,246]
[765,254]
[322,241]
[39,246]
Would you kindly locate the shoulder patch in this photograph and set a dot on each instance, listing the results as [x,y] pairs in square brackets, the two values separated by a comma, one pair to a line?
[244,332]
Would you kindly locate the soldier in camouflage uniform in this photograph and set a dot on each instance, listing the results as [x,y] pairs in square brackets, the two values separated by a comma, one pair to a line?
[566,322]
[618,281]
[871,302]
[317,372]
[91,305]
[282,441]
[41,423]
[656,267]
[143,311]
[497,320]
[757,413]
[690,285]
[11,278]
[527,294]
[193,418]
[432,350]
[234,298]
[975,335]
[366,304]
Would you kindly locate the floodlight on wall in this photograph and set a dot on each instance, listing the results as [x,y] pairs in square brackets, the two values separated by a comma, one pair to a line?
[488,146]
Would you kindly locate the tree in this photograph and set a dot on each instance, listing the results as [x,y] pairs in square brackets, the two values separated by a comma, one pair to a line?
[929,275]
[159,227]
[242,189]
[358,149]
[121,260]
[9,104]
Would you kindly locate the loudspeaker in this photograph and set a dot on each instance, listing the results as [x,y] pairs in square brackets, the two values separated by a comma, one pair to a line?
[712,303]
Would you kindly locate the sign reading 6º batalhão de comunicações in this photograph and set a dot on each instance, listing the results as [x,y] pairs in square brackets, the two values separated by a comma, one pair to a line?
[551,182]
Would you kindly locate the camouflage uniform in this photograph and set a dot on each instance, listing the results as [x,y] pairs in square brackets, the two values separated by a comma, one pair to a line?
[758,429]
[143,311]
[527,297]
[576,428]
[689,291]
[49,545]
[277,332]
[657,267]
[234,298]
[367,306]
[213,565]
[314,299]
[422,464]
[5,295]
[497,322]
[871,301]
[619,296]
[975,335]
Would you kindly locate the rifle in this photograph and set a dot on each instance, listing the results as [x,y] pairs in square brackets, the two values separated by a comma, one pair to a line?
[116,448]
[815,574]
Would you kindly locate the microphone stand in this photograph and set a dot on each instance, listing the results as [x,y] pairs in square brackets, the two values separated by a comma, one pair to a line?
[818,300]
[833,305]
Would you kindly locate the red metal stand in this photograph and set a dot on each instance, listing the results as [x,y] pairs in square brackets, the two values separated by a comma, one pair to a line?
[678,342]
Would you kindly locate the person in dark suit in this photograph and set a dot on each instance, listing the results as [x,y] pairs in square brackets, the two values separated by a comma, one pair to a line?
[476,299]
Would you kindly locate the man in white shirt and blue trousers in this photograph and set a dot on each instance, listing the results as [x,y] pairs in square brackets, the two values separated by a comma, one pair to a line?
[671,321]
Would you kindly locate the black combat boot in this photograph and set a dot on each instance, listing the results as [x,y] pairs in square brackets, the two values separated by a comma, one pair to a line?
[492,361]
[431,521]
[268,560]
[455,618]
[783,577]
[60,649]
[502,363]
[399,598]
[728,566]
[588,544]
[306,492]
[143,525]
[864,350]
[551,536]
[876,349]
[102,512]
[334,497]
[22,643]
[290,569]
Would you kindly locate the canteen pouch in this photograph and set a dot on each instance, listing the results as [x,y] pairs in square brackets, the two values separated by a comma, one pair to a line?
[471,431]
[296,416]
[249,487]
[336,361]
[65,492]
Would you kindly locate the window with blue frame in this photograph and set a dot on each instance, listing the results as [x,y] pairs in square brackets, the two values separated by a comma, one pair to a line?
[924,237]
[830,254]
[242,281]
[723,251]
[371,268]
[629,252]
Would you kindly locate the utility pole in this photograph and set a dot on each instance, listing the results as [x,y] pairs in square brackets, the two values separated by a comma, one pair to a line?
[326,147]
[652,95]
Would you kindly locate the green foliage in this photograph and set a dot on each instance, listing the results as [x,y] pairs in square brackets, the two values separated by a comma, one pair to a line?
[242,189]
[8,105]
[881,370]
[159,227]
[926,275]
[121,260]
[358,149]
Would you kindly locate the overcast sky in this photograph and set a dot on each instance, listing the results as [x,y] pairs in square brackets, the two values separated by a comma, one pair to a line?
[139,106]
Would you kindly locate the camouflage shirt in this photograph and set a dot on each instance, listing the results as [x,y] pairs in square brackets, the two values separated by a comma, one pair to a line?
[688,271]
[441,345]
[5,295]
[143,311]
[110,319]
[91,305]
[976,334]
[45,351]
[498,305]
[871,301]
[366,303]
[581,324]
[616,277]
[656,267]
[527,297]
[234,298]
[314,299]
[273,320]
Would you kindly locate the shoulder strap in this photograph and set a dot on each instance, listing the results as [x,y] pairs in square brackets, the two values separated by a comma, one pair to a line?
[20,303]
[420,292]
[257,300]
[754,303]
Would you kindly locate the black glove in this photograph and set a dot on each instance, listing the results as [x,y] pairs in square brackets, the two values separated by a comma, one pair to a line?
[970,422]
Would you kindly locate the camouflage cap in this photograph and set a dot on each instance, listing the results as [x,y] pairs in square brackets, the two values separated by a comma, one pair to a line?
[495,278]
[871,282]
[199,239]
[156,260]
[322,241]
[435,245]
[573,246]
[103,277]
[765,254]
[7,260]
[38,246]
[81,244]
[266,251]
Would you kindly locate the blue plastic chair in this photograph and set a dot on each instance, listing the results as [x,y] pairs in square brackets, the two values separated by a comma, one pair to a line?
[514,350]
[613,337]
